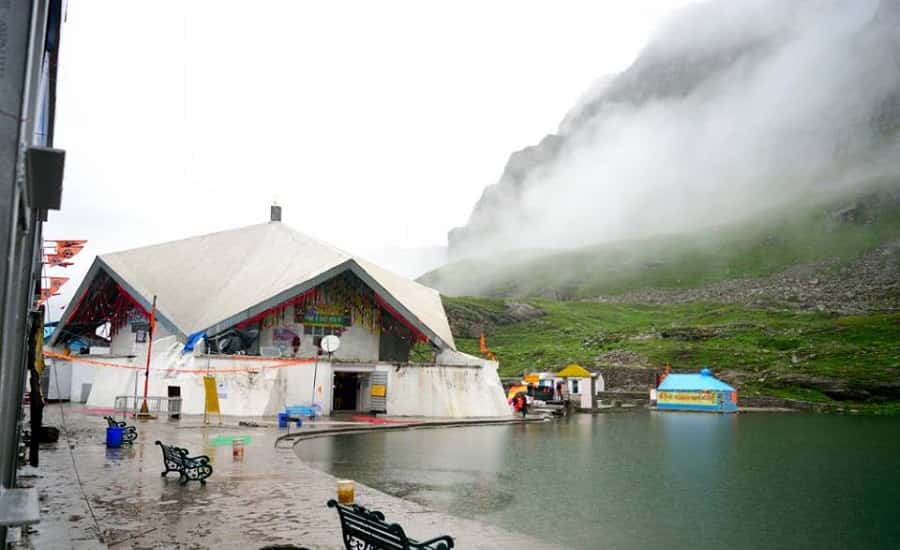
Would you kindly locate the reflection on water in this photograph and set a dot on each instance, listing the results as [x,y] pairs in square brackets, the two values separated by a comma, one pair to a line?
[648,479]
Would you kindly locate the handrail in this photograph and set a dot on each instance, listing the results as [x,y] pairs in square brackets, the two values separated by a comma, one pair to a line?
[154,403]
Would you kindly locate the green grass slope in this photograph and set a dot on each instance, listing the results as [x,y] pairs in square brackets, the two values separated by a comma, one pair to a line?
[811,356]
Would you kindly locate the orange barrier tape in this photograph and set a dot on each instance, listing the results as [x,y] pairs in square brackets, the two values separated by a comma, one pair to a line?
[277,363]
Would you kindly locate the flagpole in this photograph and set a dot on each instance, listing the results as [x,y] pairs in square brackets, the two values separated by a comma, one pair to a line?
[145,410]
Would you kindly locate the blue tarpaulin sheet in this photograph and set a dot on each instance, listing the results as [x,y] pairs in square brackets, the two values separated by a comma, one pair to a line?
[193,340]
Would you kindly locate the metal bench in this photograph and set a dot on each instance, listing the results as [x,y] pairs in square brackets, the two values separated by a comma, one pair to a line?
[175,459]
[366,530]
[129,433]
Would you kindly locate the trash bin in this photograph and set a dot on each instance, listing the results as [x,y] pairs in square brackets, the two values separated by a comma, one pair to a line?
[114,437]
[282,420]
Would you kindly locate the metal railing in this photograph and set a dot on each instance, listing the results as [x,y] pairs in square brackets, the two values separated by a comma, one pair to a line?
[156,404]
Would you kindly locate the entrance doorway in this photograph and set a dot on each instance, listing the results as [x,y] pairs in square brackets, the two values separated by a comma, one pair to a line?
[346,388]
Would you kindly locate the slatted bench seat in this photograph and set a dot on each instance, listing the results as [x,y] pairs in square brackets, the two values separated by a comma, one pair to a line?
[176,459]
[364,529]
[129,433]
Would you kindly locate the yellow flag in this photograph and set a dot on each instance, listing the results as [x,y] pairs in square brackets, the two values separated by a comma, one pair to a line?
[212,395]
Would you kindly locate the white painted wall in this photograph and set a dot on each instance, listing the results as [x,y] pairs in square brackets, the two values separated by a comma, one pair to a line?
[470,388]
[60,386]
[122,342]
[445,391]
[82,373]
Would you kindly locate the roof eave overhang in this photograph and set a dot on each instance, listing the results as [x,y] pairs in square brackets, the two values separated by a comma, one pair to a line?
[98,265]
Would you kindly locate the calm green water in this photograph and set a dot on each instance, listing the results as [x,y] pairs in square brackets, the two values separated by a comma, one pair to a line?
[642,480]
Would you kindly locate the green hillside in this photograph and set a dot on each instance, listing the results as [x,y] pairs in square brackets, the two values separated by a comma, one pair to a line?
[802,304]
[812,356]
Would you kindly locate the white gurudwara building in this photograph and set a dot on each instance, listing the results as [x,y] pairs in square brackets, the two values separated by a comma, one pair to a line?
[250,307]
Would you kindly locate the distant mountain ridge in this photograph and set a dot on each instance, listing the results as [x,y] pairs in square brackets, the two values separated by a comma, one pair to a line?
[691,84]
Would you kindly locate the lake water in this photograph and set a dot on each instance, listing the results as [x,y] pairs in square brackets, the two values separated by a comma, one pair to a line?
[648,479]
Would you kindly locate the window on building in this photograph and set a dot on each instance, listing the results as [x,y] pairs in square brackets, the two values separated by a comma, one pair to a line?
[319,332]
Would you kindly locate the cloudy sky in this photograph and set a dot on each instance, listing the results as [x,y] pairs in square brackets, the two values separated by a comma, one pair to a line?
[375,124]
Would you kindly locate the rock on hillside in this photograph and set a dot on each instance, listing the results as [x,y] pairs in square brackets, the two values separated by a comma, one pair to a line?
[868,284]
[472,322]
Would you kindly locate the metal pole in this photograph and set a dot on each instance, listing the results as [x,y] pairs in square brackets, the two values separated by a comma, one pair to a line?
[134,405]
[205,400]
[312,400]
[145,410]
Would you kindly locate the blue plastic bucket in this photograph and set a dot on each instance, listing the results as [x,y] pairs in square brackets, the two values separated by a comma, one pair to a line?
[282,420]
[114,437]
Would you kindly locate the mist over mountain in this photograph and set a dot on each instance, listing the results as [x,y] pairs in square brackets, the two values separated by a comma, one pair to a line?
[733,108]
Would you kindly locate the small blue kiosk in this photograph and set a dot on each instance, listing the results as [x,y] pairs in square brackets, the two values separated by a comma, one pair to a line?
[696,392]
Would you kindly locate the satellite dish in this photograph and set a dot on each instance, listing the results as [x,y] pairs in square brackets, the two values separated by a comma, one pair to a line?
[330,343]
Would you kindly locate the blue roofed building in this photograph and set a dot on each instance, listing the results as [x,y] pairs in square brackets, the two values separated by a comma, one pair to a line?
[696,392]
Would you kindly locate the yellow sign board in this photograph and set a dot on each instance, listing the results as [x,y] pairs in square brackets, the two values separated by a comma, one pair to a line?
[212,395]
[379,390]
[707,398]
[532,378]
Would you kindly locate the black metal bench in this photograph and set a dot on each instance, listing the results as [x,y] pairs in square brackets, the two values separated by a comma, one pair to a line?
[366,530]
[129,433]
[175,459]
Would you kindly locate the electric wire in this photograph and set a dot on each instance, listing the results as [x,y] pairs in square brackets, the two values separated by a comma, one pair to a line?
[84,496]
[62,414]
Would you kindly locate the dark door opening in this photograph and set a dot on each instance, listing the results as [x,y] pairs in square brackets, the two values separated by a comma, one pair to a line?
[345,390]
[174,406]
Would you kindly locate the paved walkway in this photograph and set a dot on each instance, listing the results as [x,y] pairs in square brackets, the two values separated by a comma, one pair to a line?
[269,497]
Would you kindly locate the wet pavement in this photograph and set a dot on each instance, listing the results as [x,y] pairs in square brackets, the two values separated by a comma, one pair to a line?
[267,498]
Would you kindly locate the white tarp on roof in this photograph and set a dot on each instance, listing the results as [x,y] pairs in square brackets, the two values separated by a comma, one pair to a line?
[205,280]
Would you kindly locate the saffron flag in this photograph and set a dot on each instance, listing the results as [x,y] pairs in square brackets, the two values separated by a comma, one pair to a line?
[70,243]
[54,260]
[66,251]
[482,344]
